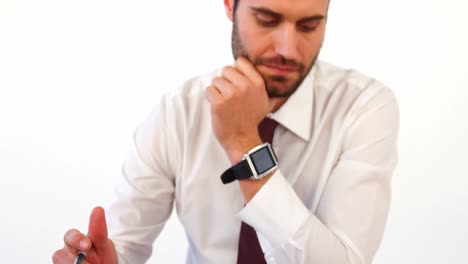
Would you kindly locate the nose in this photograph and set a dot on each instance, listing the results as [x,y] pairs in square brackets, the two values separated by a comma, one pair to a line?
[287,42]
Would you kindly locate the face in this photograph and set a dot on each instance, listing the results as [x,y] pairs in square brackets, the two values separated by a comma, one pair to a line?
[281,38]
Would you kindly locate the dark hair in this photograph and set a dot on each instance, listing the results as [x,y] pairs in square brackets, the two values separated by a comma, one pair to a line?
[236,3]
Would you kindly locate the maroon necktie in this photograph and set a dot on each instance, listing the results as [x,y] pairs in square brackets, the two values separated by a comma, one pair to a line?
[250,251]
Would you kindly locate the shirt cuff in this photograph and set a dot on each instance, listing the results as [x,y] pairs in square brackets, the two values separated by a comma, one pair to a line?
[276,212]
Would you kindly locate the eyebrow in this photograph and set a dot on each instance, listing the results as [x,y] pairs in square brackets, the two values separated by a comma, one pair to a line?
[266,11]
[272,13]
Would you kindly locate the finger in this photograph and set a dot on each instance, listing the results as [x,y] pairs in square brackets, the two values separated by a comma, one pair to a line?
[237,78]
[97,228]
[70,249]
[76,240]
[63,256]
[213,95]
[226,88]
[249,70]
[74,255]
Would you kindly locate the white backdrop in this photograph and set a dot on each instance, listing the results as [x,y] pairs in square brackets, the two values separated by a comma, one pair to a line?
[76,77]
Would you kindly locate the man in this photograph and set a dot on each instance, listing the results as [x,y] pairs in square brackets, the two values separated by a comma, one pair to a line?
[324,199]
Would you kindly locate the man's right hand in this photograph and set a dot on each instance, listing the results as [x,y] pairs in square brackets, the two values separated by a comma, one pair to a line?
[98,247]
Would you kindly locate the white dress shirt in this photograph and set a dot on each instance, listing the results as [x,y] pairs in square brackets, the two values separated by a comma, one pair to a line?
[328,202]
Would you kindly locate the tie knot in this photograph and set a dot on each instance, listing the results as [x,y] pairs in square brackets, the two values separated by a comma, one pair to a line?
[266,129]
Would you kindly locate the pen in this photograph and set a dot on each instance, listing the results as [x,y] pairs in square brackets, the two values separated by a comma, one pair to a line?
[80,257]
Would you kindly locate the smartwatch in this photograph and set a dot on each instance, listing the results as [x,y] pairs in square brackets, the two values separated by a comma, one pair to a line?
[255,164]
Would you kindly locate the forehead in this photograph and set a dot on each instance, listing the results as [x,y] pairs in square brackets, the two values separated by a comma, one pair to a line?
[290,8]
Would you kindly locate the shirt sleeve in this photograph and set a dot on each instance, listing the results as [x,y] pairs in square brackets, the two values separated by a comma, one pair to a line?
[144,198]
[348,225]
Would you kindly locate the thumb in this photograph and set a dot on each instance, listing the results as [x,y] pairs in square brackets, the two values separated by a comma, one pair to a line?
[97,228]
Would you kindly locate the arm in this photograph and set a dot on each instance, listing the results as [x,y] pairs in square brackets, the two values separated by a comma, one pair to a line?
[144,199]
[143,205]
[349,221]
[144,202]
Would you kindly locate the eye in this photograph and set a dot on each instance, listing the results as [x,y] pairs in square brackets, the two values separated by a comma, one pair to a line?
[266,20]
[309,26]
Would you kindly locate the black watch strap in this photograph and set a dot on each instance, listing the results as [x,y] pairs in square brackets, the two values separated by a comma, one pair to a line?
[239,171]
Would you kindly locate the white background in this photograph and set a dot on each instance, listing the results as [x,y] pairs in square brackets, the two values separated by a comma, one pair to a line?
[76,77]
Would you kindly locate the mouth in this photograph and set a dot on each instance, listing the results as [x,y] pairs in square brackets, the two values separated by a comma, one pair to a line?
[280,69]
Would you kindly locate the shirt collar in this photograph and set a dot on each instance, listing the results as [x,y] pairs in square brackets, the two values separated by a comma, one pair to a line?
[296,113]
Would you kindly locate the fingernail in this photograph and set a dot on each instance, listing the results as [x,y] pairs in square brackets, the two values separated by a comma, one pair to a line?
[84,244]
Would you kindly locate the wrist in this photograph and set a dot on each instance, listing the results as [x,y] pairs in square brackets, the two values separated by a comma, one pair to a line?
[258,163]
[250,187]
[236,151]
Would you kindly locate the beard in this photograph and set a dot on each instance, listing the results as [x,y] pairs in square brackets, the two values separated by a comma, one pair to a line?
[278,86]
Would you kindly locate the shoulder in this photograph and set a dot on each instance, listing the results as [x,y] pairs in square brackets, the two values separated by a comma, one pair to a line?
[331,77]
[356,86]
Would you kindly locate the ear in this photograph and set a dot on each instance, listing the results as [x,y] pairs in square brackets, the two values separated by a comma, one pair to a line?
[229,6]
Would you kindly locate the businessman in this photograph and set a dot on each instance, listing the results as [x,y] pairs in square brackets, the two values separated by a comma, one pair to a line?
[277,158]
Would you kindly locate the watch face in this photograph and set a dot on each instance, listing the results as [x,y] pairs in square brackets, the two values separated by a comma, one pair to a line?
[262,160]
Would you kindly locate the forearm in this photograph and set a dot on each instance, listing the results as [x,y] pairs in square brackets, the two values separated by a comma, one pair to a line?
[314,242]
[290,233]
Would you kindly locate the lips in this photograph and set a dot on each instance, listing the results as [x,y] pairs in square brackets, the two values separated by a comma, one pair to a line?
[280,69]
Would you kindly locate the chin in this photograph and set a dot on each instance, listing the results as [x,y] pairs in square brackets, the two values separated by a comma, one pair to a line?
[281,87]
[282,91]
